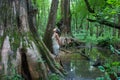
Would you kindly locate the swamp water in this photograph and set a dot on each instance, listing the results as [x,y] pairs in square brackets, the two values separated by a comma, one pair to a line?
[78,68]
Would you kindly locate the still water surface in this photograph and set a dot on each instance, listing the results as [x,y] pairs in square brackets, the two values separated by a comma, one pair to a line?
[79,68]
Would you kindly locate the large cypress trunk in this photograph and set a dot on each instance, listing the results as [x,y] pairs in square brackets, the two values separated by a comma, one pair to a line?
[23,52]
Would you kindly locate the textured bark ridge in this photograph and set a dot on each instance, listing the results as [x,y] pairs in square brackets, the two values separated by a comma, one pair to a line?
[22,48]
[5,52]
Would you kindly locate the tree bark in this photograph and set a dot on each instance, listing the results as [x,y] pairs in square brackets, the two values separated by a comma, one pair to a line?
[66,17]
[51,25]
[25,44]
[24,66]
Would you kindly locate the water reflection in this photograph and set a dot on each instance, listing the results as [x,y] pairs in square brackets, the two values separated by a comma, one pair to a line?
[79,68]
[83,64]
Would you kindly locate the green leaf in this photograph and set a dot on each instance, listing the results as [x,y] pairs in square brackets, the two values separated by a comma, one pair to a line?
[102,69]
[112,49]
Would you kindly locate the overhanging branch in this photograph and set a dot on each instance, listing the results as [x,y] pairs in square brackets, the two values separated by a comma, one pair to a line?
[89,7]
[100,21]
[107,23]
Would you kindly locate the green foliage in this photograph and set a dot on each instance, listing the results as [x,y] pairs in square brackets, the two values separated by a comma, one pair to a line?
[116,63]
[43,7]
[112,49]
[14,40]
[80,35]
[91,39]
[101,68]
[40,60]
[54,77]
[104,42]
[79,6]
[57,65]
[14,75]
[114,3]
[110,68]
[107,42]
[110,8]
[100,78]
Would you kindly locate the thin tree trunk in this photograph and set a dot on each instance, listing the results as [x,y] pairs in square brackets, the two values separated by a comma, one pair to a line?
[50,25]
[66,16]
